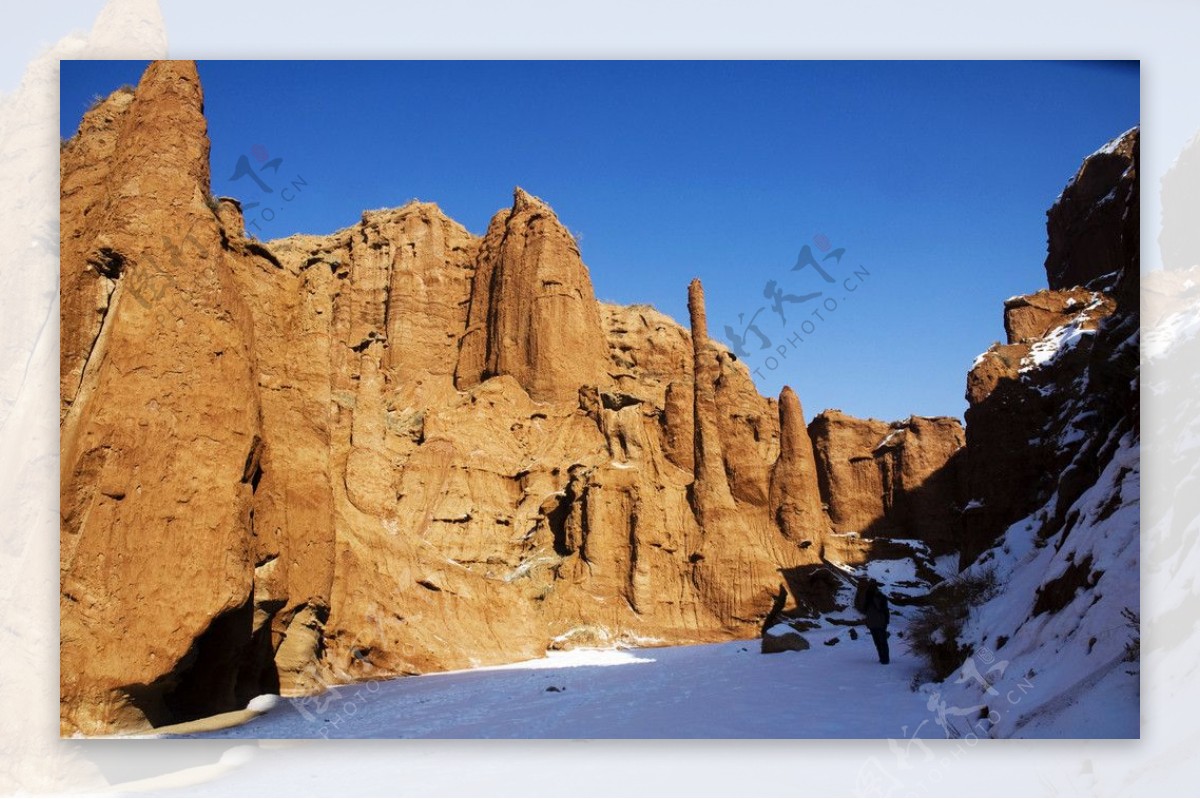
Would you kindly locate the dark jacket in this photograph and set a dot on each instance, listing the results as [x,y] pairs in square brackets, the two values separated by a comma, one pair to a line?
[875,609]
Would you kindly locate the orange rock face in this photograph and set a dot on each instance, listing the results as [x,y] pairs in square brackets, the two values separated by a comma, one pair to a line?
[395,449]
[1030,317]
[533,313]
[851,482]
[161,434]
[898,479]
[795,494]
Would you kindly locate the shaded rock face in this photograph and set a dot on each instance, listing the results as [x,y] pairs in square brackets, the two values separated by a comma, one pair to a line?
[1088,226]
[1012,391]
[1047,408]
[922,467]
[395,449]
[897,479]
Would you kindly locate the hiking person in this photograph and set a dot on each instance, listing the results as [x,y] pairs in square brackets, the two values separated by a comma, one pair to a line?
[871,602]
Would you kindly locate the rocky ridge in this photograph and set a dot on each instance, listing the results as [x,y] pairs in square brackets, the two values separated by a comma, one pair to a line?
[1053,450]
[1048,406]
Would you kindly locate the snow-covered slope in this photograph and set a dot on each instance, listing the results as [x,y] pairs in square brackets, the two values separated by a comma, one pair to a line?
[1052,650]
[1055,650]
[1047,641]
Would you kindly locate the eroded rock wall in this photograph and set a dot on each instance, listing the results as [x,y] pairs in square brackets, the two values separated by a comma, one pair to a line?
[395,449]
[162,434]
[891,479]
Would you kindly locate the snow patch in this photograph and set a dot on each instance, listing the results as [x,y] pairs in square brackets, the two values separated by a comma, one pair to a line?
[1111,147]
[946,566]
[1057,342]
[891,437]
[894,572]
[262,703]
[574,658]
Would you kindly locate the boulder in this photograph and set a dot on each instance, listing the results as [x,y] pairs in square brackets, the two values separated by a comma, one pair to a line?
[783,638]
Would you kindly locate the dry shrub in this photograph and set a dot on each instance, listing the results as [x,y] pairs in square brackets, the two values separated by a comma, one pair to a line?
[935,628]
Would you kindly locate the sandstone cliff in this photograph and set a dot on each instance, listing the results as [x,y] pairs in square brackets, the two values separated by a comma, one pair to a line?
[394,449]
[161,430]
[898,479]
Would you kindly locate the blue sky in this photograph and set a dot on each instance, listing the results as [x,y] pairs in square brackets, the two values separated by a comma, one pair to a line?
[934,177]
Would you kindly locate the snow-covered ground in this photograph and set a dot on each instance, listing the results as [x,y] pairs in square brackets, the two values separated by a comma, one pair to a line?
[1055,675]
[726,690]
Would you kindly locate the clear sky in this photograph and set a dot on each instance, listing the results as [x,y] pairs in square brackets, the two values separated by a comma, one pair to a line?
[932,178]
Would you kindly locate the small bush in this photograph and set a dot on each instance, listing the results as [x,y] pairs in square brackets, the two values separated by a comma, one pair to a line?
[936,627]
[1133,647]
[98,99]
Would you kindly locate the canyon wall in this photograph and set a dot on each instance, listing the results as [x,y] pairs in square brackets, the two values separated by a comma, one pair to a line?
[1048,407]
[396,449]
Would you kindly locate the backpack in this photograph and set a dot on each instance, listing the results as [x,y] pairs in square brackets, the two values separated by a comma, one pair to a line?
[860,598]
